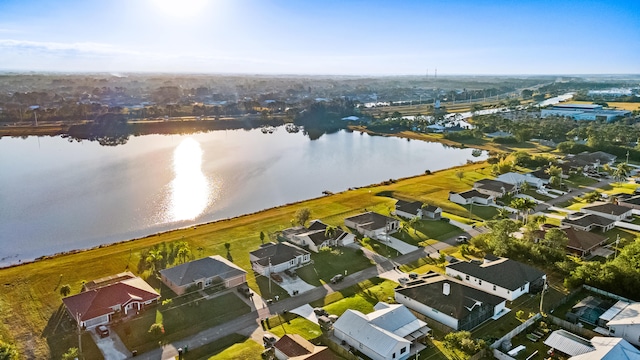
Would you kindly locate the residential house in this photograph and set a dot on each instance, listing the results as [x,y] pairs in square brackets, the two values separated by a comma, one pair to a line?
[295,347]
[202,273]
[495,188]
[588,222]
[503,277]
[609,211]
[385,334]
[626,324]
[373,225]
[580,243]
[587,161]
[449,301]
[278,257]
[517,179]
[315,237]
[416,209]
[568,343]
[630,201]
[609,348]
[102,300]
[471,197]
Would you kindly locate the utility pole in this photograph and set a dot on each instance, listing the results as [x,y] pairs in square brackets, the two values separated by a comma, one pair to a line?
[79,336]
[617,242]
[544,287]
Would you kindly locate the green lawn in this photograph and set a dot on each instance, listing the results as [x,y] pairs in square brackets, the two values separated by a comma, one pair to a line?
[577,181]
[180,319]
[359,288]
[364,299]
[537,196]
[482,212]
[234,346]
[290,323]
[327,264]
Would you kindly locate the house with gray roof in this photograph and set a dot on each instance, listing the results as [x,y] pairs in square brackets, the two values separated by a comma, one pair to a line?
[203,273]
[373,225]
[630,201]
[387,333]
[626,324]
[494,187]
[315,237]
[580,243]
[416,209]
[607,348]
[278,257]
[471,197]
[609,211]
[588,222]
[503,277]
[449,301]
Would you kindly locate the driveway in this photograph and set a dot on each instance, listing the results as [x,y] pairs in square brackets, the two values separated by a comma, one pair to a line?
[112,347]
[290,284]
[401,246]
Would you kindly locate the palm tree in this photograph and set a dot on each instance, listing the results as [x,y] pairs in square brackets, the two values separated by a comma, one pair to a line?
[65,290]
[555,175]
[523,205]
[330,232]
[153,257]
[621,171]
[503,213]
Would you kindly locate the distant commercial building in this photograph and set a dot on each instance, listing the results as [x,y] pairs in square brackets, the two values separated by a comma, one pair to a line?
[584,112]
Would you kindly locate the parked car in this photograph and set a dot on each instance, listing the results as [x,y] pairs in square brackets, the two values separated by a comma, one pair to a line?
[102,331]
[269,339]
[413,276]
[320,312]
[462,239]
[336,279]
[403,280]
[244,290]
[291,274]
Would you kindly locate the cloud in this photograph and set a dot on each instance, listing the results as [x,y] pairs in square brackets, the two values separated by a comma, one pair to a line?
[81,47]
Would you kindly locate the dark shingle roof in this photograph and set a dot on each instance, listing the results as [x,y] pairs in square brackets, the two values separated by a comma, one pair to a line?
[371,220]
[506,273]
[409,207]
[473,193]
[204,268]
[578,239]
[588,220]
[494,185]
[277,253]
[458,304]
[608,208]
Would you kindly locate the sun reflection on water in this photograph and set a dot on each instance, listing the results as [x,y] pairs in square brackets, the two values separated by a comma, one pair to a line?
[191,191]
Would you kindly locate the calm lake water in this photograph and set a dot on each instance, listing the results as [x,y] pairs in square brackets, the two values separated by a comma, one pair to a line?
[57,195]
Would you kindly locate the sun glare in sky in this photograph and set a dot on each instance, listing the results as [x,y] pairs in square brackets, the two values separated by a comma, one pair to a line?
[181,8]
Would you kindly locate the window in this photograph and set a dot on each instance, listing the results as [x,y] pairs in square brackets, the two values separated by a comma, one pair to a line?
[403,350]
[522,288]
[494,288]
[466,277]
[479,282]
[393,356]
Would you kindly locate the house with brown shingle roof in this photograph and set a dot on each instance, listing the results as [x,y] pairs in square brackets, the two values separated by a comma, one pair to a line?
[294,346]
[100,300]
[581,243]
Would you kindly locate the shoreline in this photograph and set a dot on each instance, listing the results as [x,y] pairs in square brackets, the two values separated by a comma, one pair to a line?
[22,262]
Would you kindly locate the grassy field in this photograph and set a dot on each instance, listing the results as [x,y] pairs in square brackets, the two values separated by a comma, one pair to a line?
[30,296]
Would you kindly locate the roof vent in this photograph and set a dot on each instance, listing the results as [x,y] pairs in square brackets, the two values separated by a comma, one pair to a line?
[446,289]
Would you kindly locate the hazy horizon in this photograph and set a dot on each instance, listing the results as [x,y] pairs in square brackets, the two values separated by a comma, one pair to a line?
[281,37]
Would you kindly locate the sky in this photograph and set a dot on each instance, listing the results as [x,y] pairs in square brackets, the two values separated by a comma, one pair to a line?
[322,37]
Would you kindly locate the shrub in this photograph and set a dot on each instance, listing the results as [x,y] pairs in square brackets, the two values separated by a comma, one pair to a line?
[156,329]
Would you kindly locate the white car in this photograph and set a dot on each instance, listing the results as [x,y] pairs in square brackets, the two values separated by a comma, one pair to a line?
[462,239]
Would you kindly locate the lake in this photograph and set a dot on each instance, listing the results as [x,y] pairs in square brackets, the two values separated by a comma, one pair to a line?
[57,194]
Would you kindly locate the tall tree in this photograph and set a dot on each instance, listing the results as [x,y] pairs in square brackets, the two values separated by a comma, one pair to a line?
[302,216]
[621,172]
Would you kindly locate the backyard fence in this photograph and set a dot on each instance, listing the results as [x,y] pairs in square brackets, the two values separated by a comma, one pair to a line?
[517,330]
[572,327]
[501,356]
[606,293]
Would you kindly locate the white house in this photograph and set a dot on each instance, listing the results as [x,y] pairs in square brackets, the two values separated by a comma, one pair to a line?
[517,179]
[449,301]
[471,197]
[502,277]
[278,257]
[609,211]
[416,209]
[626,324]
[609,348]
[316,237]
[203,273]
[373,225]
[385,334]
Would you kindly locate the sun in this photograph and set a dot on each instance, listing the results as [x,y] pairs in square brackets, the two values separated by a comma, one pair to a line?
[180,8]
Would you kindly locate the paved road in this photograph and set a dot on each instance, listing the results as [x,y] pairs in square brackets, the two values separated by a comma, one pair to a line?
[574,193]
[249,322]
